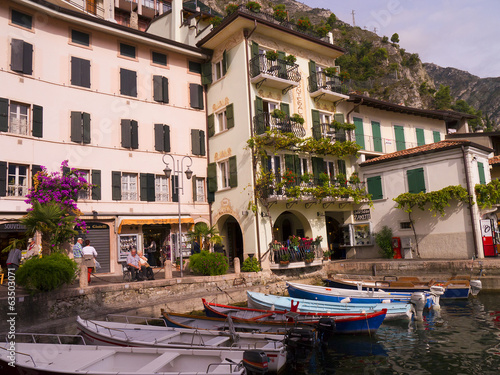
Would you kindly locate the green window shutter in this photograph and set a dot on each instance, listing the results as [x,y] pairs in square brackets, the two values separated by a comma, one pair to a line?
[264,162]
[359,132]
[202,143]
[420,136]
[480,168]
[339,117]
[196,96]
[134,135]
[66,171]
[255,61]
[316,129]
[116,186]
[399,132]
[211,125]
[437,136]
[166,138]
[377,136]
[151,187]
[375,187]
[259,122]
[143,179]
[4,115]
[416,180]
[96,184]
[230,116]
[233,172]
[3,178]
[37,121]
[224,63]
[285,107]
[318,166]
[341,168]
[206,73]
[159,142]
[255,50]
[193,187]
[197,142]
[289,163]
[313,78]
[126,133]
[34,170]
[164,84]
[16,55]
[76,127]
[296,165]
[212,177]
[158,88]
[86,127]
[282,65]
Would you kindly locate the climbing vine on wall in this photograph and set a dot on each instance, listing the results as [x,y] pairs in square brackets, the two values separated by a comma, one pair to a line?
[488,194]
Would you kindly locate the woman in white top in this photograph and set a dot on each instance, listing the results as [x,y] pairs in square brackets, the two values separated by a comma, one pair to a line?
[89,250]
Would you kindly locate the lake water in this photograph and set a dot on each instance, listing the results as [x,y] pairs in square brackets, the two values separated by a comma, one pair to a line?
[463,338]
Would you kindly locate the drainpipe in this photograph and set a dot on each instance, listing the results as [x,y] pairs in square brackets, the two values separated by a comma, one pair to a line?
[471,202]
[208,152]
[256,214]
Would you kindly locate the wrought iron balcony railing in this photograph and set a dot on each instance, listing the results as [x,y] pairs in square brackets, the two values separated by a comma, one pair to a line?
[321,81]
[287,252]
[264,121]
[329,132]
[275,68]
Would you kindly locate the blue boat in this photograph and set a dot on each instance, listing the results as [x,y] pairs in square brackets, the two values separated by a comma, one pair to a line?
[330,294]
[272,302]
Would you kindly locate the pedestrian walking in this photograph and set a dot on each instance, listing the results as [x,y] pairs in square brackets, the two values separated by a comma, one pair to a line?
[89,250]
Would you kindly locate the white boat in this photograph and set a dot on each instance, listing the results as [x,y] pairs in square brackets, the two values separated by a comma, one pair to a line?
[45,359]
[139,335]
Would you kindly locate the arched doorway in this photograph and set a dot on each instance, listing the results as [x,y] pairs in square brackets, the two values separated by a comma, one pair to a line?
[232,237]
[291,223]
[334,233]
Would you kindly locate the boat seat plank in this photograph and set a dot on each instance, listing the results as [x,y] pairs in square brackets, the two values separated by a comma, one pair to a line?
[216,341]
[167,337]
[158,363]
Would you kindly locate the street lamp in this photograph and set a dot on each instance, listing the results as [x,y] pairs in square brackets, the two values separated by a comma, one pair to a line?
[178,166]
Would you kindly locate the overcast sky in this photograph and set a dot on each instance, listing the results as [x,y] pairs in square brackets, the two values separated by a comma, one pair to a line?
[463,34]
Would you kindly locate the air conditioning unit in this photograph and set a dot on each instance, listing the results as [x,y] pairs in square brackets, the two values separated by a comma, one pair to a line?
[406,242]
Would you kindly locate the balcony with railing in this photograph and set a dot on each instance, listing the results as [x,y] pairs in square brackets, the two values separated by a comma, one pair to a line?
[286,254]
[264,122]
[325,87]
[328,131]
[277,73]
[93,7]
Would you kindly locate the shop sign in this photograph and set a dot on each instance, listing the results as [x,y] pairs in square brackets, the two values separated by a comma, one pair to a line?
[94,226]
[360,215]
[12,227]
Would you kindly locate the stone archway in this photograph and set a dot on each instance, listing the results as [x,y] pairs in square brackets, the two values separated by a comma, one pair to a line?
[290,223]
[232,237]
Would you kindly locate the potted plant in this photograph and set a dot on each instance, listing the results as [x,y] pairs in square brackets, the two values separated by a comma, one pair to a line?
[294,241]
[215,21]
[331,71]
[253,6]
[290,59]
[309,258]
[326,255]
[354,178]
[304,24]
[278,114]
[297,118]
[280,14]
[323,178]
[307,178]
[318,240]
[272,55]
[289,177]
[323,30]
[341,179]
[231,8]
[285,259]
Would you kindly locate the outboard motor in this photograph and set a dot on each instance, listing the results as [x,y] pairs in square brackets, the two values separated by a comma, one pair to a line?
[326,329]
[299,343]
[255,362]
[475,287]
[436,292]
[418,301]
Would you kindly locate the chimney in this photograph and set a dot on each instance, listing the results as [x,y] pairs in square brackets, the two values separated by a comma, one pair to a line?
[176,20]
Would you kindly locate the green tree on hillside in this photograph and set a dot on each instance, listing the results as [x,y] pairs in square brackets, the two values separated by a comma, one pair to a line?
[332,20]
[442,98]
[464,107]
[395,38]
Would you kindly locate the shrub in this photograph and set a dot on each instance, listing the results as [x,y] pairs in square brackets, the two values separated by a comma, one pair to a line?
[278,113]
[384,240]
[297,118]
[395,38]
[215,21]
[280,14]
[251,265]
[272,55]
[304,24]
[385,39]
[331,71]
[231,8]
[47,273]
[323,30]
[209,264]
[253,6]
[290,59]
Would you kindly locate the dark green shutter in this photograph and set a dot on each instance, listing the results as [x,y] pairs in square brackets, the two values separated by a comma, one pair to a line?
[76,127]
[264,162]
[318,166]
[16,55]
[224,63]
[206,73]
[3,178]
[195,142]
[150,187]
[196,96]
[282,65]
[211,125]
[233,172]
[76,71]
[375,187]
[289,163]
[259,116]
[437,136]
[285,107]
[316,129]
[480,168]
[255,68]
[359,132]
[4,115]
[158,88]
[193,186]
[313,78]
[166,138]
[164,83]
[296,165]
[230,116]
[134,136]
[126,133]
[202,143]
[128,82]
[212,177]
[341,168]
[416,180]
[420,137]
[86,127]
[377,136]
[339,117]
[399,132]
[66,171]
[37,121]
[159,142]
[27,58]
[85,73]
[116,186]
[96,182]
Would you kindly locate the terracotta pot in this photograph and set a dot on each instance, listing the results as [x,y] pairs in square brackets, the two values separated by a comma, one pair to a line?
[284,262]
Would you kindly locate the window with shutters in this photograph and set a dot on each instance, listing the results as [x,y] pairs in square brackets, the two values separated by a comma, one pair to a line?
[198,142]
[17,180]
[21,57]
[436,135]
[416,180]
[161,189]
[330,169]
[80,38]
[19,118]
[374,185]
[158,58]
[128,51]
[21,19]
[80,127]
[304,166]
[129,186]
[162,138]
[130,134]
[196,96]
[80,72]
[199,185]
[160,89]
[84,194]
[480,169]
[420,136]
[217,70]
[128,82]
[223,174]
[221,121]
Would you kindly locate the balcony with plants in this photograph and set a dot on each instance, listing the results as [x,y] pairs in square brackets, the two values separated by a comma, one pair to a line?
[328,84]
[275,70]
[280,122]
[296,252]
[335,131]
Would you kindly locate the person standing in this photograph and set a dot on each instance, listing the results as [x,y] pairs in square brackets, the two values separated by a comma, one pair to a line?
[196,248]
[134,265]
[151,253]
[89,250]
[14,258]
[77,251]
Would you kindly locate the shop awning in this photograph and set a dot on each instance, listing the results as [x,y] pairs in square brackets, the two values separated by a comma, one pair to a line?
[153,220]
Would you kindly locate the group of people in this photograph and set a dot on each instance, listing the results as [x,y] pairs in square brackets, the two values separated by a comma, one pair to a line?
[139,267]
[79,253]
